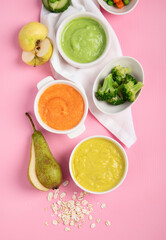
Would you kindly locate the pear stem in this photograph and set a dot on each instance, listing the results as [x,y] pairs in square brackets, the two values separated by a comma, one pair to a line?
[34,129]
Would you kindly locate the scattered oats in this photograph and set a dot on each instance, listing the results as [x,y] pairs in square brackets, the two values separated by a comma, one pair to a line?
[55,222]
[59,215]
[83,220]
[56,193]
[108,223]
[59,220]
[71,202]
[98,220]
[66,222]
[74,197]
[93,225]
[85,193]
[75,193]
[63,195]
[77,203]
[84,210]
[46,223]
[72,223]
[77,209]
[90,205]
[80,198]
[79,225]
[90,217]
[50,196]
[77,219]
[103,205]
[59,202]
[90,210]
[65,183]
[87,213]
[82,216]
[84,202]
[67,229]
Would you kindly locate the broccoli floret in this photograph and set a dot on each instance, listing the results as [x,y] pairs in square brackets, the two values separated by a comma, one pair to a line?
[129,90]
[129,78]
[117,100]
[119,73]
[107,90]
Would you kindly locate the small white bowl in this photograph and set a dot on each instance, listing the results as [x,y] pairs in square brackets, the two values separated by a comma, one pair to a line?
[42,86]
[103,23]
[125,159]
[136,71]
[117,11]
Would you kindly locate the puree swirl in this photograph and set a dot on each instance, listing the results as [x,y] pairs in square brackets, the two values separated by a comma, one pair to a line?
[83,40]
[61,107]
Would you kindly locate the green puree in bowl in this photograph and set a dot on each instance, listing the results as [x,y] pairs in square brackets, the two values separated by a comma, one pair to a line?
[83,40]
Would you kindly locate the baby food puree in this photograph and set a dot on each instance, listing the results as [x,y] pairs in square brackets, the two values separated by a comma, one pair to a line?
[61,107]
[98,164]
[83,40]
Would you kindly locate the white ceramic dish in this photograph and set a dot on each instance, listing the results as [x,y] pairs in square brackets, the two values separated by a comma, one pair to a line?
[114,10]
[125,158]
[136,71]
[105,26]
[42,86]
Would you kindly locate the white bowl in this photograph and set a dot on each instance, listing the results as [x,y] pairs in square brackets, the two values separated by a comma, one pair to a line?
[136,71]
[114,10]
[42,86]
[125,159]
[105,26]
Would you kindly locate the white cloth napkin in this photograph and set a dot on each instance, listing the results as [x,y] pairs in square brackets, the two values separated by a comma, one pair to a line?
[121,125]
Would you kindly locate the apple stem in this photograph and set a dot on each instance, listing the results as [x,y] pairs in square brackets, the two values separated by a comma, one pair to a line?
[27,114]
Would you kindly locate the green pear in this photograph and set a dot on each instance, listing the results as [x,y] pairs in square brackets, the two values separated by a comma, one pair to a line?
[44,172]
[30,34]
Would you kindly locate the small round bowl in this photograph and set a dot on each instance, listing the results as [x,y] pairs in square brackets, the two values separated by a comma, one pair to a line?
[125,159]
[103,23]
[136,71]
[117,11]
[46,83]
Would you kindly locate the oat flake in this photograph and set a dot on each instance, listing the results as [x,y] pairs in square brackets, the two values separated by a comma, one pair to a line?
[67,229]
[103,205]
[93,225]
[65,183]
[54,222]
[50,196]
[108,223]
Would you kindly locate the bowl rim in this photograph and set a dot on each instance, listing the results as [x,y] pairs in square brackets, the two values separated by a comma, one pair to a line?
[63,24]
[94,84]
[65,82]
[118,13]
[125,159]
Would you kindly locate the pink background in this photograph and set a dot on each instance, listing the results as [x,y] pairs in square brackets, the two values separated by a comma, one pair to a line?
[137,210]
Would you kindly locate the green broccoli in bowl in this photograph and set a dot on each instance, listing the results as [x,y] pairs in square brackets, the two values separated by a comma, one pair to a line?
[118,87]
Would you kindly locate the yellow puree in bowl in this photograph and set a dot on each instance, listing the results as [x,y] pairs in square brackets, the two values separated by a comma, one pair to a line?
[98,164]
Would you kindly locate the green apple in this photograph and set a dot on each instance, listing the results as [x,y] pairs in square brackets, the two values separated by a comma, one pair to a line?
[40,55]
[31,34]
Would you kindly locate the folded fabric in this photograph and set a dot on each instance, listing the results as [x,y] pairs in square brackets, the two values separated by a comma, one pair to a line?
[121,124]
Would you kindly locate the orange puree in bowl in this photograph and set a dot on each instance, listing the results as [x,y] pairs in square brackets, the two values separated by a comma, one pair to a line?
[61,107]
